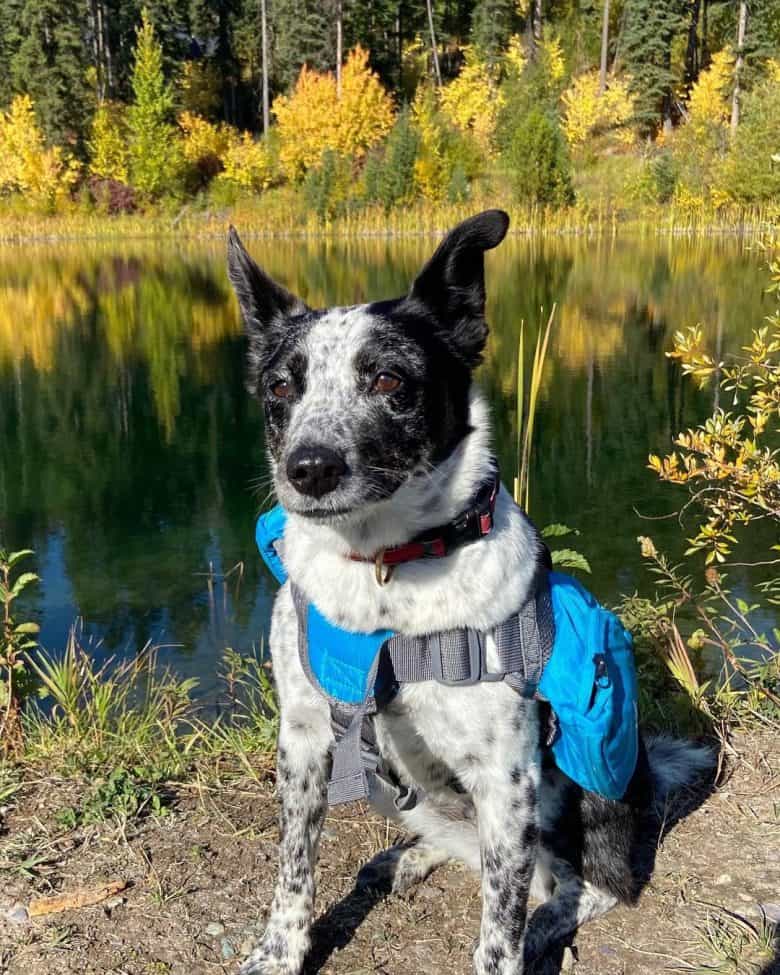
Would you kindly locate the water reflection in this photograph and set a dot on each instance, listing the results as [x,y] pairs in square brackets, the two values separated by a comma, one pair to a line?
[128,446]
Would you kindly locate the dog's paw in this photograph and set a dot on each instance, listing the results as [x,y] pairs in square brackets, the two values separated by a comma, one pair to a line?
[262,961]
[400,868]
[277,954]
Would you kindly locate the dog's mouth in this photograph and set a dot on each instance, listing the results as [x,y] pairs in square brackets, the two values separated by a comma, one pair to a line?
[323,515]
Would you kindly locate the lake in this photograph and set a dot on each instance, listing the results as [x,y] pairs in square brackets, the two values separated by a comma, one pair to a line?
[131,457]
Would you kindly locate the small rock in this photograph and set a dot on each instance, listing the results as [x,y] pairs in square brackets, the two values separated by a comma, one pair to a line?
[214,929]
[771,912]
[746,898]
[723,880]
[113,902]
[227,950]
[17,914]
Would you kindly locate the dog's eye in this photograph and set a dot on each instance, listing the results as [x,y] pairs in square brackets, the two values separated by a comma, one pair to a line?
[385,382]
[281,389]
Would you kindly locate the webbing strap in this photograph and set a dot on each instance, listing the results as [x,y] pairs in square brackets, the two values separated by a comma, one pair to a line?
[523,646]
[454,657]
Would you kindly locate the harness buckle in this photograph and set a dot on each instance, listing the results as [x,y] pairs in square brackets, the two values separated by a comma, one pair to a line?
[474,661]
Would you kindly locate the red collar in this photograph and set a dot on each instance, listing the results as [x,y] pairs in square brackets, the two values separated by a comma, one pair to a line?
[436,543]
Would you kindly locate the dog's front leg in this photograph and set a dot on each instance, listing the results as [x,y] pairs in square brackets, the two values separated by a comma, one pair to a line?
[506,798]
[303,766]
[302,786]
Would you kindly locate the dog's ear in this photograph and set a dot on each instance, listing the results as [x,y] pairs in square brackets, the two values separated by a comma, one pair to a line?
[451,286]
[263,302]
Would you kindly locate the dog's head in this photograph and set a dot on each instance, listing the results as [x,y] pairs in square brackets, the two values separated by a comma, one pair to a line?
[358,400]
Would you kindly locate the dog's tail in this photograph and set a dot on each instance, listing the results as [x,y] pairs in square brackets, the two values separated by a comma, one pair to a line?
[675,763]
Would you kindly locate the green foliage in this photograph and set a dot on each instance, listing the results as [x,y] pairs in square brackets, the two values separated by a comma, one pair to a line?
[302,34]
[16,640]
[50,63]
[155,161]
[731,470]
[752,171]
[651,27]
[326,187]
[119,712]
[389,173]
[664,170]
[125,794]
[538,162]
[492,24]
[565,558]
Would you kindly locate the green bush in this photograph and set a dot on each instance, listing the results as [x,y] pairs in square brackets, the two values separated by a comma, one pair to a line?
[664,170]
[326,187]
[538,161]
[751,173]
[389,174]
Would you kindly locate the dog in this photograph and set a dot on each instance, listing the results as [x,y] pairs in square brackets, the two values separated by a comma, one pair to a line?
[376,434]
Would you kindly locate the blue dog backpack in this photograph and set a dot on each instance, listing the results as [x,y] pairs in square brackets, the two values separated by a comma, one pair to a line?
[581,661]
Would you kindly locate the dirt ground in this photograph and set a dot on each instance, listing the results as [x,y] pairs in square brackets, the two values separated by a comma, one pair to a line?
[200,879]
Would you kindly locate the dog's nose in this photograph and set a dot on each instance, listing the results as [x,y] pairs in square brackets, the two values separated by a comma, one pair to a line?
[315,471]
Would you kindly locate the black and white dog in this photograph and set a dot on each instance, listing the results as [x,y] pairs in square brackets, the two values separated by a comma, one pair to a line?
[376,434]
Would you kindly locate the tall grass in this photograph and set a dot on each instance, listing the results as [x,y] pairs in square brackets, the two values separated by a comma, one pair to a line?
[526,412]
[282,212]
[135,713]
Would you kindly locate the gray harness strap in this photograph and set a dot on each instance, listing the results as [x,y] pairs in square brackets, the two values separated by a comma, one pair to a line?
[454,657]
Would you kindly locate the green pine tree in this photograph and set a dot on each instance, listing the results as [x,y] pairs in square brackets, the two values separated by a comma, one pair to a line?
[49,62]
[651,28]
[492,24]
[154,159]
[301,33]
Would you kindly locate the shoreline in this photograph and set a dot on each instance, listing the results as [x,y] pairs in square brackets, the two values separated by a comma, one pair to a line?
[738,223]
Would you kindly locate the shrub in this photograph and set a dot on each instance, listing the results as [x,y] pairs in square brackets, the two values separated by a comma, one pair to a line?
[108,144]
[44,175]
[472,102]
[326,187]
[730,467]
[313,118]
[112,196]
[16,640]
[587,113]
[442,151]
[751,172]
[248,163]
[390,175]
[700,145]
[538,162]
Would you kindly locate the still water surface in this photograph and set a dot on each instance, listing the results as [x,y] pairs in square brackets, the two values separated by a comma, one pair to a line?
[131,457]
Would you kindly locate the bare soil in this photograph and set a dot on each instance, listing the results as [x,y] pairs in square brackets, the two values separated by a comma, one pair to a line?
[200,879]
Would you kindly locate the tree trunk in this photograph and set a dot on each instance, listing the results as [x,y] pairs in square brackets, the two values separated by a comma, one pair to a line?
[96,55]
[537,22]
[604,49]
[264,63]
[339,42]
[738,66]
[692,61]
[436,69]
[399,27]
[106,47]
[704,60]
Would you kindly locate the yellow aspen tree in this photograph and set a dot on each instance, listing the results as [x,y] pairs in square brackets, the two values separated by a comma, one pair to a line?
[472,101]
[108,145]
[306,120]
[365,109]
[313,118]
